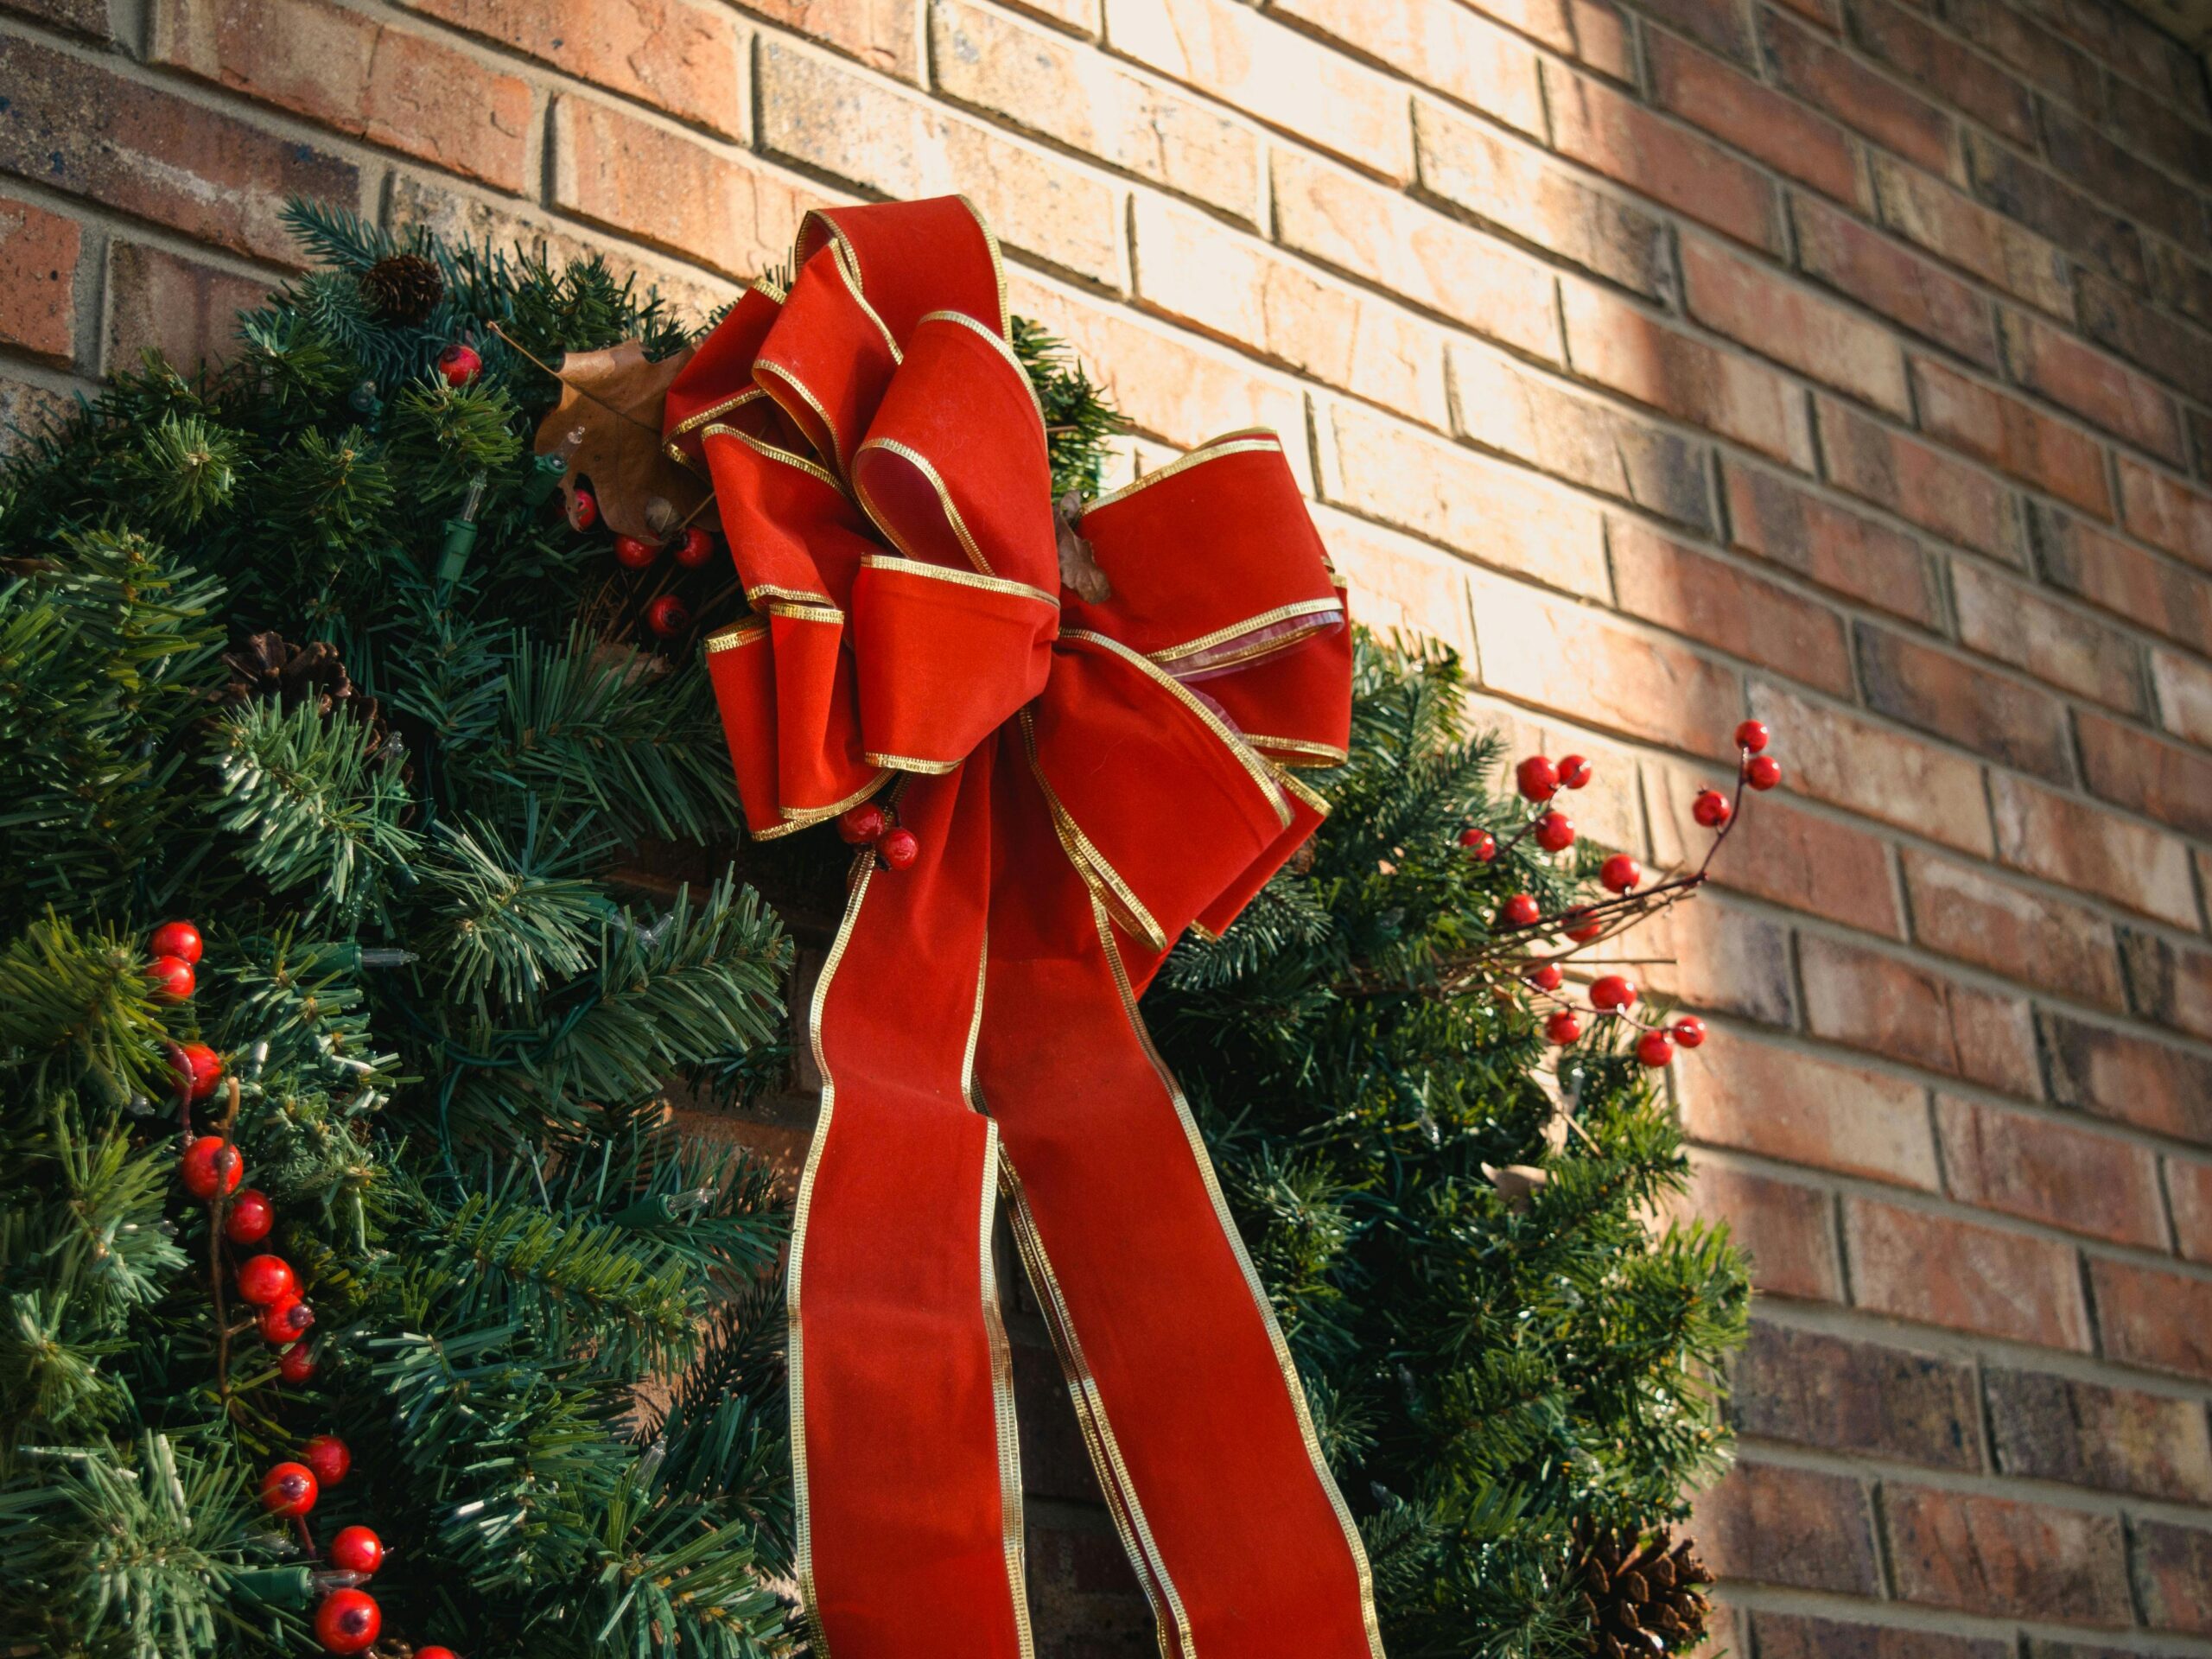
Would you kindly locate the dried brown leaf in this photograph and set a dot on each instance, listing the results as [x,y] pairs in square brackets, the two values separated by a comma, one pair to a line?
[614,398]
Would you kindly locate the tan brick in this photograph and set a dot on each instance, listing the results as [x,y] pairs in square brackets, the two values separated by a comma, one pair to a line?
[1190,267]
[2093,385]
[1792,325]
[1780,1103]
[1783,1228]
[2165,511]
[1444,47]
[1388,239]
[2184,691]
[1961,77]
[1789,856]
[1834,755]
[1517,189]
[1603,128]
[1627,350]
[2127,1076]
[1885,1005]
[1398,584]
[1077,98]
[2048,1428]
[412,92]
[679,55]
[885,35]
[1713,955]
[1932,1270]
[1959,911]
[1503,405]
[38,282]
[1835,248]
[2021,1165]
[2006,1558]
[2081,846]
[818,112]
[1591,32]
[1916,482]
[1710,599]
[1286,79]
[1971,237]
[2153,1317]
[1838,1395]
[2012,435]
[1800,62]
[2017,624]
[2122,578]
[1480,508]
[85,16]
[1999,718]
[1775,1524]
[2189,1187]
[1843,552]
[184,309]
[26,411]
[2131,768]
[1730,104]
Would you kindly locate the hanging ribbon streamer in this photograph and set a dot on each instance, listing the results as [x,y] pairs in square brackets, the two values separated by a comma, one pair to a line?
[1087,778]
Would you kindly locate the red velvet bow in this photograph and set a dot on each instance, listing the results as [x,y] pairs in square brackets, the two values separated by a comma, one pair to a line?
[1086,780]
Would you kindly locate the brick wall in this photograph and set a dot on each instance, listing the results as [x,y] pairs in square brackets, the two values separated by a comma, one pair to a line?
[1843,362]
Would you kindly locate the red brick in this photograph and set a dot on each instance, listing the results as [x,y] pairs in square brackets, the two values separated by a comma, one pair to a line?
[75,126]
[2173,1571]
[391,86]
[2130,768]
[1735,108]
[85,16]
[1722,25]
[1913,1264]
[2018,625]
[2127,1077]
[2000,718]
[1836,249]
[38,281]
[2075,377]
[881,34]
[1959,911]
[2165,511]
[1930,212]
[184,309]
[2142,127]
[1961,77]
[2179,282]
[1848,761]
[1810,1388]
[2122,578]
[1885,1005]
[1918,482]
[1845,551]
[1617,345]
[2034,52]
[2111,174]
[2183,685]
[1784,1104]
[2080,845]
[1600,127]
[2153,1317]
[1708,599]
[2005,1559]
[2048,1428]
[1770,1524]
[678,55]
[2012,435]
[2153,58]
[1782,1228]
[1505,406]
[2027,193]
[1801,62]
[1588,31]
[2168,983]
[1793,324]
[1799,1636]
[1444,47]
[2189,1187]
[2175,352]
[1804,860]
[1714,955]
[2078,1180]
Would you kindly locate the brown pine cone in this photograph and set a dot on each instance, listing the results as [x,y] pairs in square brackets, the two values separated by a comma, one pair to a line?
[1643,1596]
[269,666]
[402,288]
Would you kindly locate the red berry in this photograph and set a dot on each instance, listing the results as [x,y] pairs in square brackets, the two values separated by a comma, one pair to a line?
[1573,772]
[862,824]
[329,1457]
[1689,1031]
[583,510]
[435,1653]
[1536,778]
[250,1217]
[1555,832]
[289,1489]
[693,548]
[209,1164]
[298,1363]
[1654,1049]
[1481,845]
[286,1321]
[174,939]
[1763,772]
[899,848]
[1546,978]
[1519,911]
[268,1279]
[348,1621]
[1582,927]
[1612,991]
[460,364]
[1563,1027]
[1620,874]
[1753,735]
[172,978]
[668,616]
[632,553]
[197,1069]
[357,1550]
[1711,808]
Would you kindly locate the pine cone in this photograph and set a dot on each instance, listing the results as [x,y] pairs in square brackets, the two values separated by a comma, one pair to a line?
[1642,1598]
[402,288]
[268,666]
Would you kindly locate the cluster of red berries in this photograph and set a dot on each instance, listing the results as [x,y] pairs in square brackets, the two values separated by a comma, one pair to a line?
[868,825]
[173,953]
[349,1619]
[667,615]
[1612,994]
